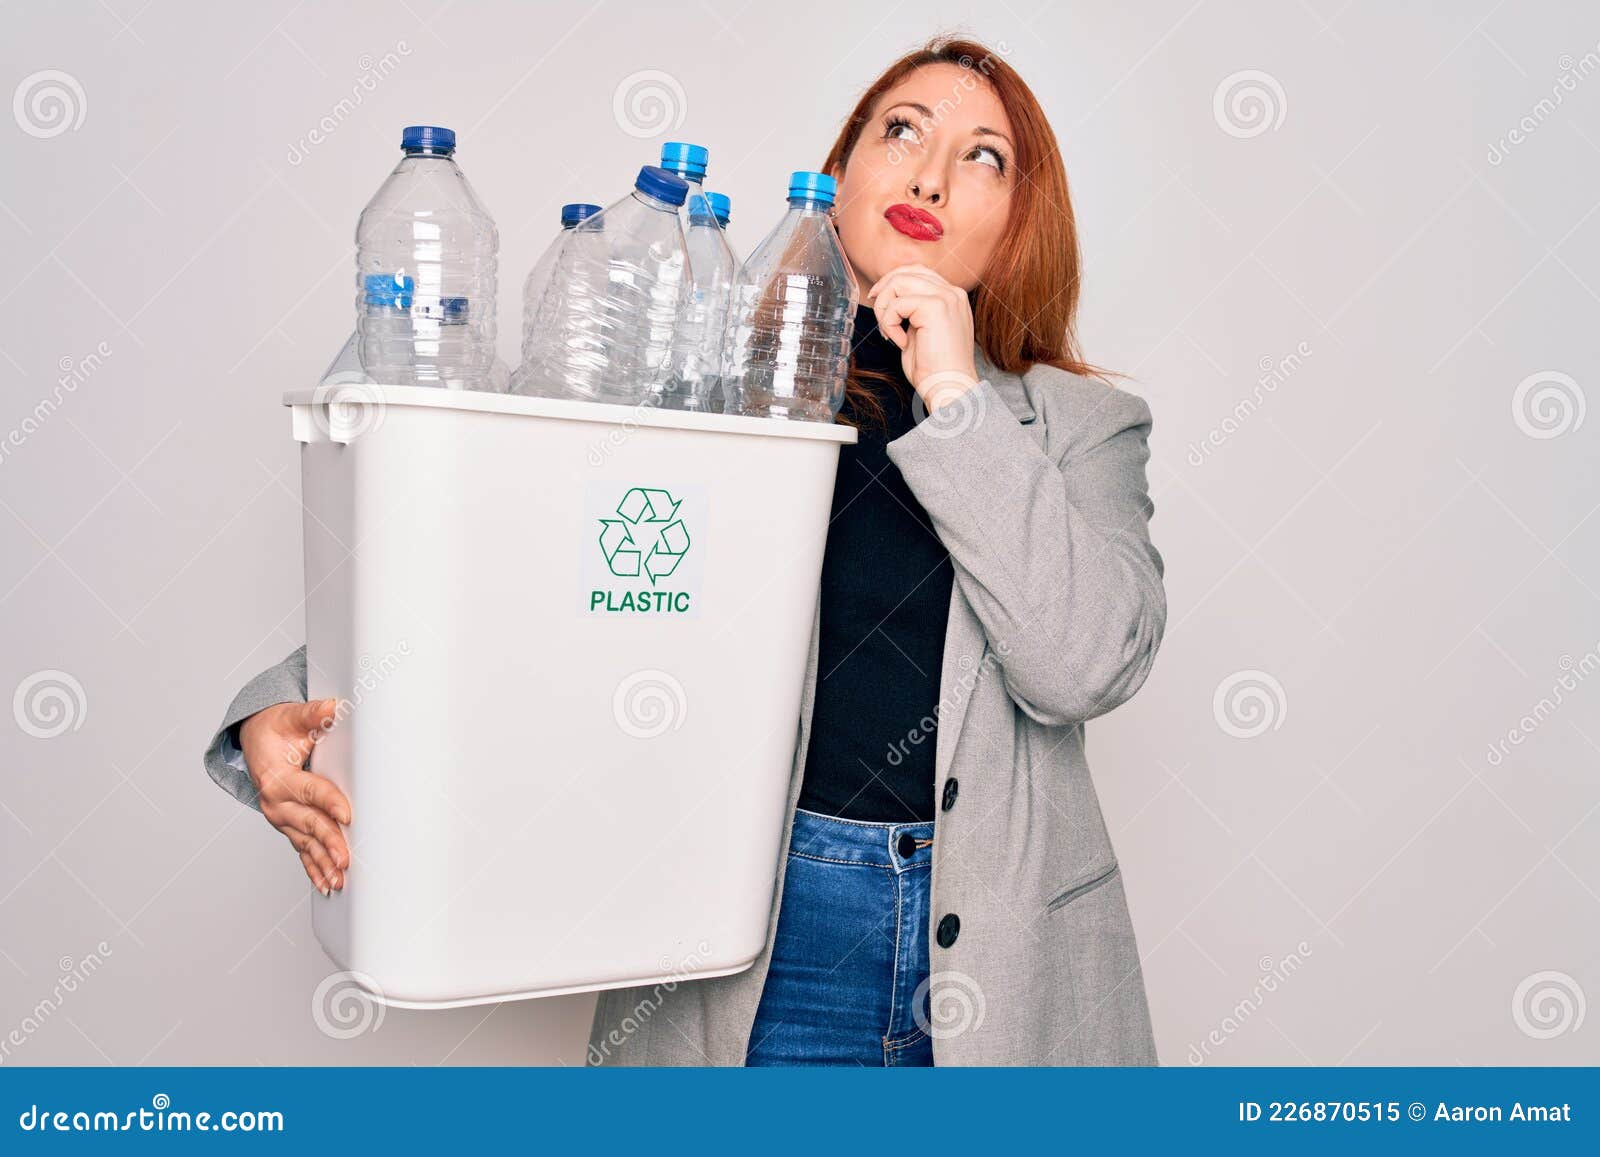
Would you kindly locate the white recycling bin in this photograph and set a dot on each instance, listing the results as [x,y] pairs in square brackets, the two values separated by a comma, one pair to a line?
[569,642]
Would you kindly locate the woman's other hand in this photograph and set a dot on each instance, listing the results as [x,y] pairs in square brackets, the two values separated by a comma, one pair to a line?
[306,808]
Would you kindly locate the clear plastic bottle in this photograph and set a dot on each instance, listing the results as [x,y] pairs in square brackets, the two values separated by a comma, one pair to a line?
[722,207]
[794,308]
[697,348]
[604,330]
[539,279]
[426,255]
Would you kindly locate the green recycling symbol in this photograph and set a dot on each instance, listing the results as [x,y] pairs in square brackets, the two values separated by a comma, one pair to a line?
[644,510]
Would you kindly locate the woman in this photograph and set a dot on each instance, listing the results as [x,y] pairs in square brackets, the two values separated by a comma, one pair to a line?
[947,889]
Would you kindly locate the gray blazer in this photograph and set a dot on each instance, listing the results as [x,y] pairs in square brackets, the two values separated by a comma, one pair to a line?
[1036,485]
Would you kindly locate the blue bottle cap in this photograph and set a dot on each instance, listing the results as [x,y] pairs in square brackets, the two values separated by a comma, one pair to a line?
[688,161]
[812,186]
[720,205]
[662,185]
[578,211]
[393,289]
[428,137]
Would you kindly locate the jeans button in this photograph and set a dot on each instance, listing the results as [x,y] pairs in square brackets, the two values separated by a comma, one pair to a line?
[907,845]
[949,929]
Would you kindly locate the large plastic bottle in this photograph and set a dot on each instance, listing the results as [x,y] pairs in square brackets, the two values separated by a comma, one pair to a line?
[426,255]
[538,280]
[604,330]
[697,348]
[794,308]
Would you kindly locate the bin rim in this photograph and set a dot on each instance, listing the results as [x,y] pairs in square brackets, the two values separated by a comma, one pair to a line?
[483,401]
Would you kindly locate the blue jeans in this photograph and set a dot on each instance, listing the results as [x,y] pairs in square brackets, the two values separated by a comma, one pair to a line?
[847,984]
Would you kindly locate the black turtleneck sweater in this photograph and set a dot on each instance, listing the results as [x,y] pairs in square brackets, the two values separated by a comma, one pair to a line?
[886,581]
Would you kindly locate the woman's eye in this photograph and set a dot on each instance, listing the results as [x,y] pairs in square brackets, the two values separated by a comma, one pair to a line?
[893,130]
[998,161]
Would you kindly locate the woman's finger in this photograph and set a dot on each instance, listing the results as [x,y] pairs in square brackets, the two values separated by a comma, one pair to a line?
[915,308]
[911,281]
[915,268]
[322,793]
[314,873]
[310,846]
[317,824]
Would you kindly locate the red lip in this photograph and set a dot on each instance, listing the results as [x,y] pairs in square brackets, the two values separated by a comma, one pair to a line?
[915,223]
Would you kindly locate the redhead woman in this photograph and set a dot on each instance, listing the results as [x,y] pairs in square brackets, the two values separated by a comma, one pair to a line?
[947,891]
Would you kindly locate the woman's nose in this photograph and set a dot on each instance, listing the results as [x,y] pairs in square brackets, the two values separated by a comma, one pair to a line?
[922,188]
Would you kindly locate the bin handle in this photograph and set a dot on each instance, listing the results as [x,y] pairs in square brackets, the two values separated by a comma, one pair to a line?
[339,412]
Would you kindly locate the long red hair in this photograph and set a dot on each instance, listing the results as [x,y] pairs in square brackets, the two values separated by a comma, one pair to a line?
[1025,307]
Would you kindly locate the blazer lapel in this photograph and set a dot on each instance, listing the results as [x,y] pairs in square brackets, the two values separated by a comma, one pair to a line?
[964,644]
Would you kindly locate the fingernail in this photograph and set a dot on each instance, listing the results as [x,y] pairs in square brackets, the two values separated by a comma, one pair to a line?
[323,888]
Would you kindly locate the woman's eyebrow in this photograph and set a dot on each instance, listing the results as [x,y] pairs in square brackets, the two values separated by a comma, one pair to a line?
[980,131]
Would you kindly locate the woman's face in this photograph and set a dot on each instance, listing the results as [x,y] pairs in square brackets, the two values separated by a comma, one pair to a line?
[929,180]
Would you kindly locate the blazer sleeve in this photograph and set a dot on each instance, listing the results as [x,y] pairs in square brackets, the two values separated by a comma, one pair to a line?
[284,683]
[1052,550]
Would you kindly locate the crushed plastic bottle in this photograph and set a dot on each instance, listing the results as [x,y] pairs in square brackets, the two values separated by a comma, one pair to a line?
[794,307]
[605,328]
